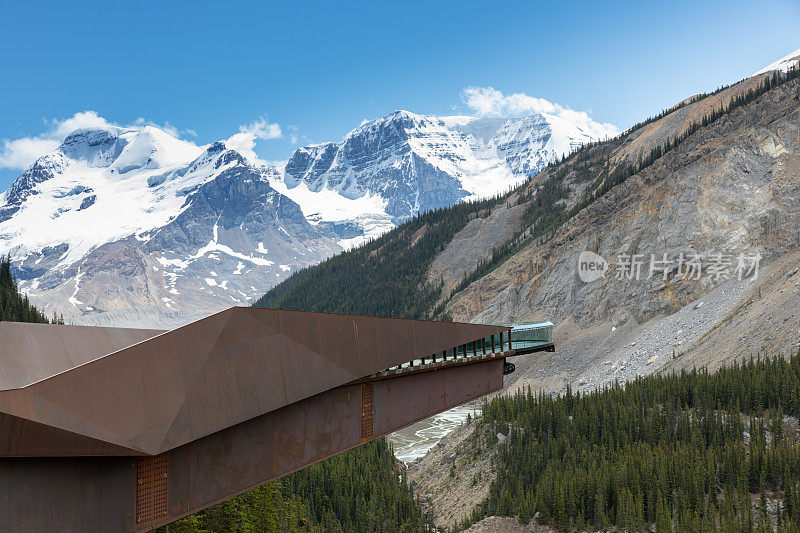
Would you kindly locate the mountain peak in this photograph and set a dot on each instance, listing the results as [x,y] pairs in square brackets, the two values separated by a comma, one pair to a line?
[125,149]
[96,147]
[405,114]
[153,147]
[92,135]
[397,118]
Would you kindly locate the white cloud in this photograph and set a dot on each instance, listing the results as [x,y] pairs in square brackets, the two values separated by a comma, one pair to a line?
[262,129]
[489,102]
[84,119]
[244,142]
[22,152]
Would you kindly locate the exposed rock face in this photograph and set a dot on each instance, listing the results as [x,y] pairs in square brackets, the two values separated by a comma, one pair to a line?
[43,169]
[522,143]
[507,524]
[447,476]
[377,158]
[731,188]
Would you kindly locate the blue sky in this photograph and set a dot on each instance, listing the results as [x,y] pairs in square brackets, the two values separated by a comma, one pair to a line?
[317,69]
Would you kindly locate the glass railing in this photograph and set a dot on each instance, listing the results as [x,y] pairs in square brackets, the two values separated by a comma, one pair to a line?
[524,337]
[477,348]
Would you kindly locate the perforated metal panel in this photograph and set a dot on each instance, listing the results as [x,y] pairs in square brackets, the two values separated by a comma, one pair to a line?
[367,411]
[151,488]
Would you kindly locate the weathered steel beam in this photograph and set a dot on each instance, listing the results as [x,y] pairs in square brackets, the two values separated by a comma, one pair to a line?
[140,494]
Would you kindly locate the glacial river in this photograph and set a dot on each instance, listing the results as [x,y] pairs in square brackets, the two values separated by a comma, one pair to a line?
[414,441]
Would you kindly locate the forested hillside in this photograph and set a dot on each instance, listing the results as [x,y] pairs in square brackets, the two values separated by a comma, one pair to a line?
[681,452]
[384,277]
[391,277]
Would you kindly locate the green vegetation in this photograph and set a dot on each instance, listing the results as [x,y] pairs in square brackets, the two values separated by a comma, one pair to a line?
[682,452]
[384,277]
[15,307]
[269,508]
[360,490]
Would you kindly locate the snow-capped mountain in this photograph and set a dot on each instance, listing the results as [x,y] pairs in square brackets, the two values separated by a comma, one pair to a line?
[120,219]
[134,226]
[418,162]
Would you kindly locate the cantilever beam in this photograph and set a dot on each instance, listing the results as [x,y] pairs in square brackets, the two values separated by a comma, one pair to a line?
[112,429]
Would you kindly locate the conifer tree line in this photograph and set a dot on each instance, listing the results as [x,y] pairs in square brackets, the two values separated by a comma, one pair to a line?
[15,307]
[693,451]
[384,277]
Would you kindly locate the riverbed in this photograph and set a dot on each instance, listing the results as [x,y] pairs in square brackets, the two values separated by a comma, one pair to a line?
[414,441]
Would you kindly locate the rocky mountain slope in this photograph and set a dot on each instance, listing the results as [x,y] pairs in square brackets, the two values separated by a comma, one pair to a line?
[134,226]
[729,191]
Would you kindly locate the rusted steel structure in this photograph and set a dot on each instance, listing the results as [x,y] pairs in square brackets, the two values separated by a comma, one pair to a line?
[107,429]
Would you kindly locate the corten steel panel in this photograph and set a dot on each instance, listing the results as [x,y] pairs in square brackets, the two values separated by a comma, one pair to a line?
[32,352]
[226,463]
[24,438]
[232,461]
[127,398]
[86,494]
[225,369]
[403,401]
